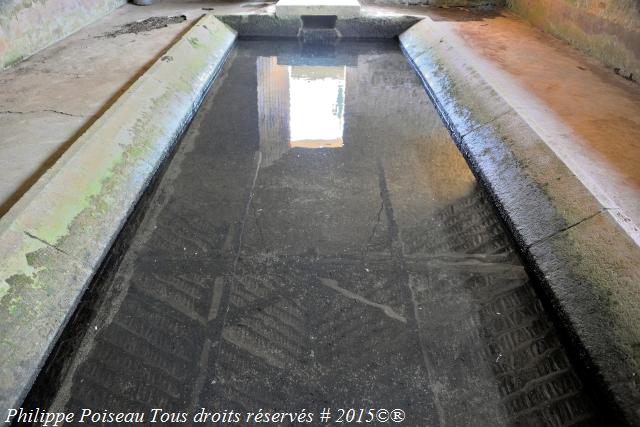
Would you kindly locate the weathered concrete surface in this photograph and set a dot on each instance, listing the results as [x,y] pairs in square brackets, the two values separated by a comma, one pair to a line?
[297,8]
[593,281]
[48,100]
[607,29]
[589,116]
[268,275]
[54,238]
[26,26]
[365,26]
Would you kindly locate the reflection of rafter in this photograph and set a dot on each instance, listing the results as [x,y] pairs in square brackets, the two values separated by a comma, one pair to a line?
[469,225]
[289,340]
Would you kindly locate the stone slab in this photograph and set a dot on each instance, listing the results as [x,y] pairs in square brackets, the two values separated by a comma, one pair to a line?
[48,100]
[339,8]
[54,239]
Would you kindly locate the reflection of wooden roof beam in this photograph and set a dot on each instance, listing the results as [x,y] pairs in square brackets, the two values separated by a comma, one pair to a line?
[339,8]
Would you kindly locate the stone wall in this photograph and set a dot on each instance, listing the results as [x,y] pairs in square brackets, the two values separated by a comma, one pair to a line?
[606,29]
[26,26]
[451,3]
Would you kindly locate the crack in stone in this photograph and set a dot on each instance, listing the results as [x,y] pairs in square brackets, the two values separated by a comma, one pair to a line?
[395,243]
[375,225]
[40,111]
[259,227]
[562,230]
[484,124]
[45,242]
[246,211]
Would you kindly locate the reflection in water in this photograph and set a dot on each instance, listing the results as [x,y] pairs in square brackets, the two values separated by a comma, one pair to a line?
[333,250]
[316,114]
[299,106]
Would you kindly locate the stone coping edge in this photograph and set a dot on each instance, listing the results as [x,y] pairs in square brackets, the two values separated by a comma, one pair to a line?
[362,27]
[297,8]
[55,237]
[587,265]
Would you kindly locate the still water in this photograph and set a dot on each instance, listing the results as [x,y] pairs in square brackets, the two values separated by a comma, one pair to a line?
[318,241]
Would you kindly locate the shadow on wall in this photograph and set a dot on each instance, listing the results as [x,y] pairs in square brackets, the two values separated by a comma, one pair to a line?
[27,26]
[608,29]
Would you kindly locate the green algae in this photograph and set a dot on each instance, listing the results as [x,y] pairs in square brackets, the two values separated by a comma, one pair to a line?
[194,41]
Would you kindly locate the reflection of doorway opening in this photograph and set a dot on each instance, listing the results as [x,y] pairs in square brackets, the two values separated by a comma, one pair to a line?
[316,106]
[299,106]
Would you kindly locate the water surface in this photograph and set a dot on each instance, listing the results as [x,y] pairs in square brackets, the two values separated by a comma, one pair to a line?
[318,241]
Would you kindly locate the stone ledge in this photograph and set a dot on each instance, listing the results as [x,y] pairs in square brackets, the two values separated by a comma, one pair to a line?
[54,238]
[587,264]
[269,25]
[297,8]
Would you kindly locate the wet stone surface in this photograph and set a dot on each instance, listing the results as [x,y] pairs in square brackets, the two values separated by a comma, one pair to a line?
[318,241]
